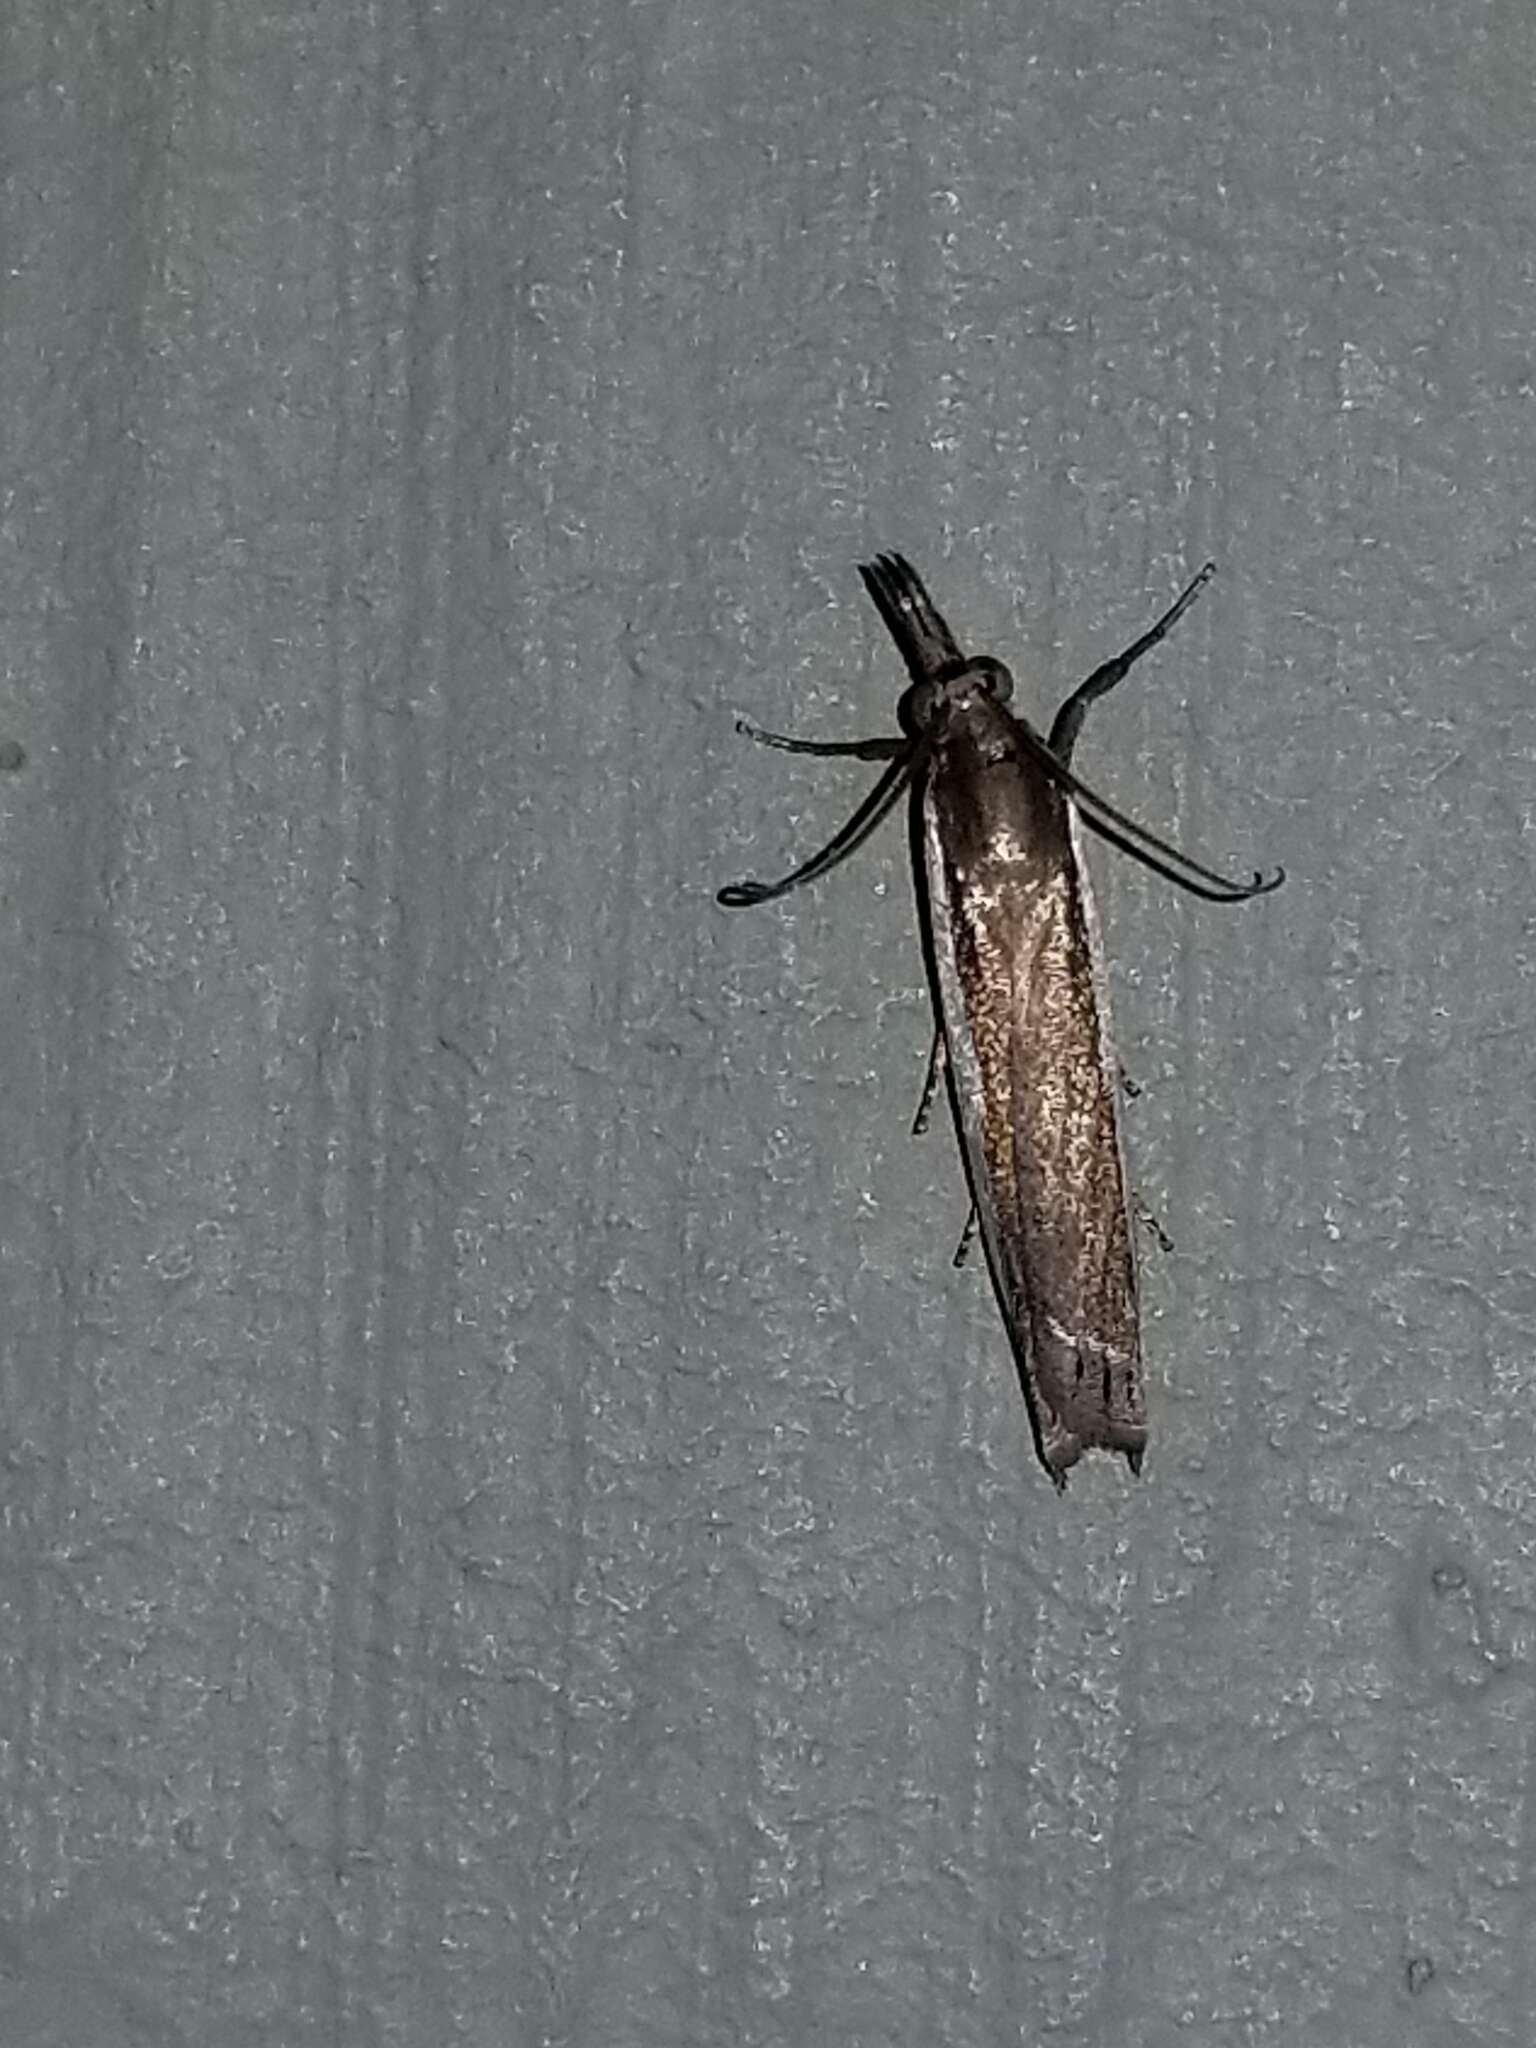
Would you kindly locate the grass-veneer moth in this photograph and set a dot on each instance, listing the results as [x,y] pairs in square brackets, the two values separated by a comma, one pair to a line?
[1015,965]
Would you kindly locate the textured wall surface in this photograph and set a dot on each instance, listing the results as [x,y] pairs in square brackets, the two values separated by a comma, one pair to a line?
[513,1533]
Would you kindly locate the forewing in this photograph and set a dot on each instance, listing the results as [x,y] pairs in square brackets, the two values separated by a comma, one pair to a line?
[1033,1082]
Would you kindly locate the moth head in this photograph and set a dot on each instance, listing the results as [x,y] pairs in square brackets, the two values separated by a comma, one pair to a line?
[990,677]
[982,677]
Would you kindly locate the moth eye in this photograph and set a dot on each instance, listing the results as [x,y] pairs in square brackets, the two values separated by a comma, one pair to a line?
[915,711]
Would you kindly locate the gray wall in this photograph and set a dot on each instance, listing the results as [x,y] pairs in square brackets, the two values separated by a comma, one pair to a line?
[512,1531]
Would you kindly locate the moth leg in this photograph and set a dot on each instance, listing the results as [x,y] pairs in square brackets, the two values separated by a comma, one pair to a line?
[882,799]
[1149,1223]
[859,750]
[938,1059]
[1130,1087]
[1069,719]
[967,1239]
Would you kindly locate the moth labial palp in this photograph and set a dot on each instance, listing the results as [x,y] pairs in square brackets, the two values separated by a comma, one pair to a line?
[1016,969]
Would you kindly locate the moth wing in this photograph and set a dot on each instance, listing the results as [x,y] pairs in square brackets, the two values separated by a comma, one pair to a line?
[1015,962]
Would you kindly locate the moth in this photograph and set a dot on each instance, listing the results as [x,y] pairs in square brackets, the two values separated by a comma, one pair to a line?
[1016,970]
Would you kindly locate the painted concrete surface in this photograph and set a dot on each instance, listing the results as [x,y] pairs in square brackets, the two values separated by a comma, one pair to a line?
[513,1531]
